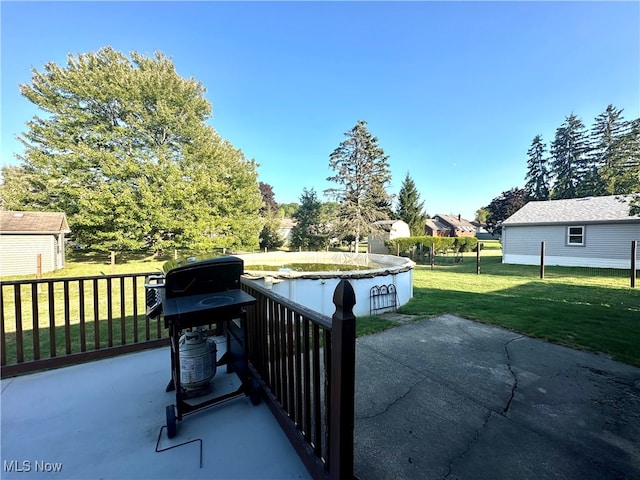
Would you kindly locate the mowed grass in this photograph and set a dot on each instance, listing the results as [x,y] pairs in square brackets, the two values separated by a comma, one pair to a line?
[124,329]
[571,307]
[585,311]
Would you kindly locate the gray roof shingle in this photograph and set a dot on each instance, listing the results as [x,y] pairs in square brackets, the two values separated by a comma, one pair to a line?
[612,208]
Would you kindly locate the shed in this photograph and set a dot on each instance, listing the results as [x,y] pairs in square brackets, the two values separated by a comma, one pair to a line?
[25,235]
[390,229]
[578,232]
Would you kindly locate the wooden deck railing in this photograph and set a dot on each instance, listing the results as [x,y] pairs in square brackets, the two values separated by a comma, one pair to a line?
[54,322]
[306,364]
[304,361]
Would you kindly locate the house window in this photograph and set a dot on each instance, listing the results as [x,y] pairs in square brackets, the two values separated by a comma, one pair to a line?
[575,236]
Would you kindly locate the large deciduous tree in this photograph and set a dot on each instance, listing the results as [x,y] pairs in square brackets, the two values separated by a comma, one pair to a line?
[537,177]
[362,173]
[122,147]
[410,208]
[503,206]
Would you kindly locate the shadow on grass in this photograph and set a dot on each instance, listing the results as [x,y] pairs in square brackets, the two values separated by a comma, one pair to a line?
[587,317]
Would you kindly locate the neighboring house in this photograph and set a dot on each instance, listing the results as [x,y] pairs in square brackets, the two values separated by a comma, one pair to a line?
[482,233]
[25,235]
[449,226]
[581,232]
[286,224]
[391,229]
[433,228]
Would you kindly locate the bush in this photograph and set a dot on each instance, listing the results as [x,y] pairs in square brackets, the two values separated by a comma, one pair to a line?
[418,248]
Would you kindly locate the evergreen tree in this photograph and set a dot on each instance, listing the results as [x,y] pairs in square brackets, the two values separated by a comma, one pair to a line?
[311,229]
[410,208]
[616,152]
[537,177]
[269,236]
[569,162]
[123,149]
[362,173]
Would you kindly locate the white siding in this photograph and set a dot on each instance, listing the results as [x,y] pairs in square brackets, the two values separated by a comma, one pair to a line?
[19,254]
[605,245]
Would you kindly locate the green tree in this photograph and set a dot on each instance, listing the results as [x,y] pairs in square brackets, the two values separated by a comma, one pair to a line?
[569,160]
[287,210]
[503,206]
[615,152]
[362,173]
[311,231]
[410,208]
[14,188]
[481,215]
[124,150]
[537,176]
[269,236]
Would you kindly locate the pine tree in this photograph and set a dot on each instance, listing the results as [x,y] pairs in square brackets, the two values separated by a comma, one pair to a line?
[410,208]
[616,152]
[362,173]
[537,177]
[569,162]
[311,229]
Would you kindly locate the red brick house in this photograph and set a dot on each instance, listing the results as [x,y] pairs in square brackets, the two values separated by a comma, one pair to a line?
[449,226]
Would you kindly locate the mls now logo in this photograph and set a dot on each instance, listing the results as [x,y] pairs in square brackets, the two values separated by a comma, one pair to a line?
[28,466]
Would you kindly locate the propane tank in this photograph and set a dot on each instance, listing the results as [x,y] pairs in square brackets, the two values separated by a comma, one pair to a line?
[197,359]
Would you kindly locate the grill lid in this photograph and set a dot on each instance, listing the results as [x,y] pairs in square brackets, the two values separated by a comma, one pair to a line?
[207,276]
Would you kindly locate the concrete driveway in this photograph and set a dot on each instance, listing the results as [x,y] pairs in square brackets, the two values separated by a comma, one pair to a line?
[449,398]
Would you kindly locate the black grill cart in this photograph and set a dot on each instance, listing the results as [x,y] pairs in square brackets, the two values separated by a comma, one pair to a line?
[205,294]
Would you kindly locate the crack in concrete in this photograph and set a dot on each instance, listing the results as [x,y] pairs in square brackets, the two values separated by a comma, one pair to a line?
[514,387]
[505,410]
[391,404]
[469,445]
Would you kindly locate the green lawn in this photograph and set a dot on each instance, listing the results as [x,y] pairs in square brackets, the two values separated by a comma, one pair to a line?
[573,308]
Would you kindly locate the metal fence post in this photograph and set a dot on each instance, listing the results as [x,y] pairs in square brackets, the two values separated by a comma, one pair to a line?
[541,259]
[342,399]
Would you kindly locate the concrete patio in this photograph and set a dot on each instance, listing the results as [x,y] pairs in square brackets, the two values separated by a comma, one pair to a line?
[442,398]
[449,398]
[101,420]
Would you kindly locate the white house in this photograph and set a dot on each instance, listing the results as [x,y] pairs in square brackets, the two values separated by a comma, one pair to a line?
[26,235]
[390,229]
[578,232]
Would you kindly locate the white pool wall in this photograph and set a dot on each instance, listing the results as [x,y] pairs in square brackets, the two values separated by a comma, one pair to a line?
[315,290]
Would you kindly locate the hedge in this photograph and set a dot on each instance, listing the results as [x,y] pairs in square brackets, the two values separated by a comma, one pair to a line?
[408,246]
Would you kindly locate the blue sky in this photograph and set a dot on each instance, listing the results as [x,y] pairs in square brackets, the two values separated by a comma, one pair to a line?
[454,91]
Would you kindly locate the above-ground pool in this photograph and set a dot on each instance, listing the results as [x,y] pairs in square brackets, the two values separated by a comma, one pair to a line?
[381,282]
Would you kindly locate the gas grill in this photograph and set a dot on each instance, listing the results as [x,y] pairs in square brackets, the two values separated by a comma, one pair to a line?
[191,296]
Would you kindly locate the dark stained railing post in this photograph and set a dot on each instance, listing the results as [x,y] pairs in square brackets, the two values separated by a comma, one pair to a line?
[634,250]
[342,399]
